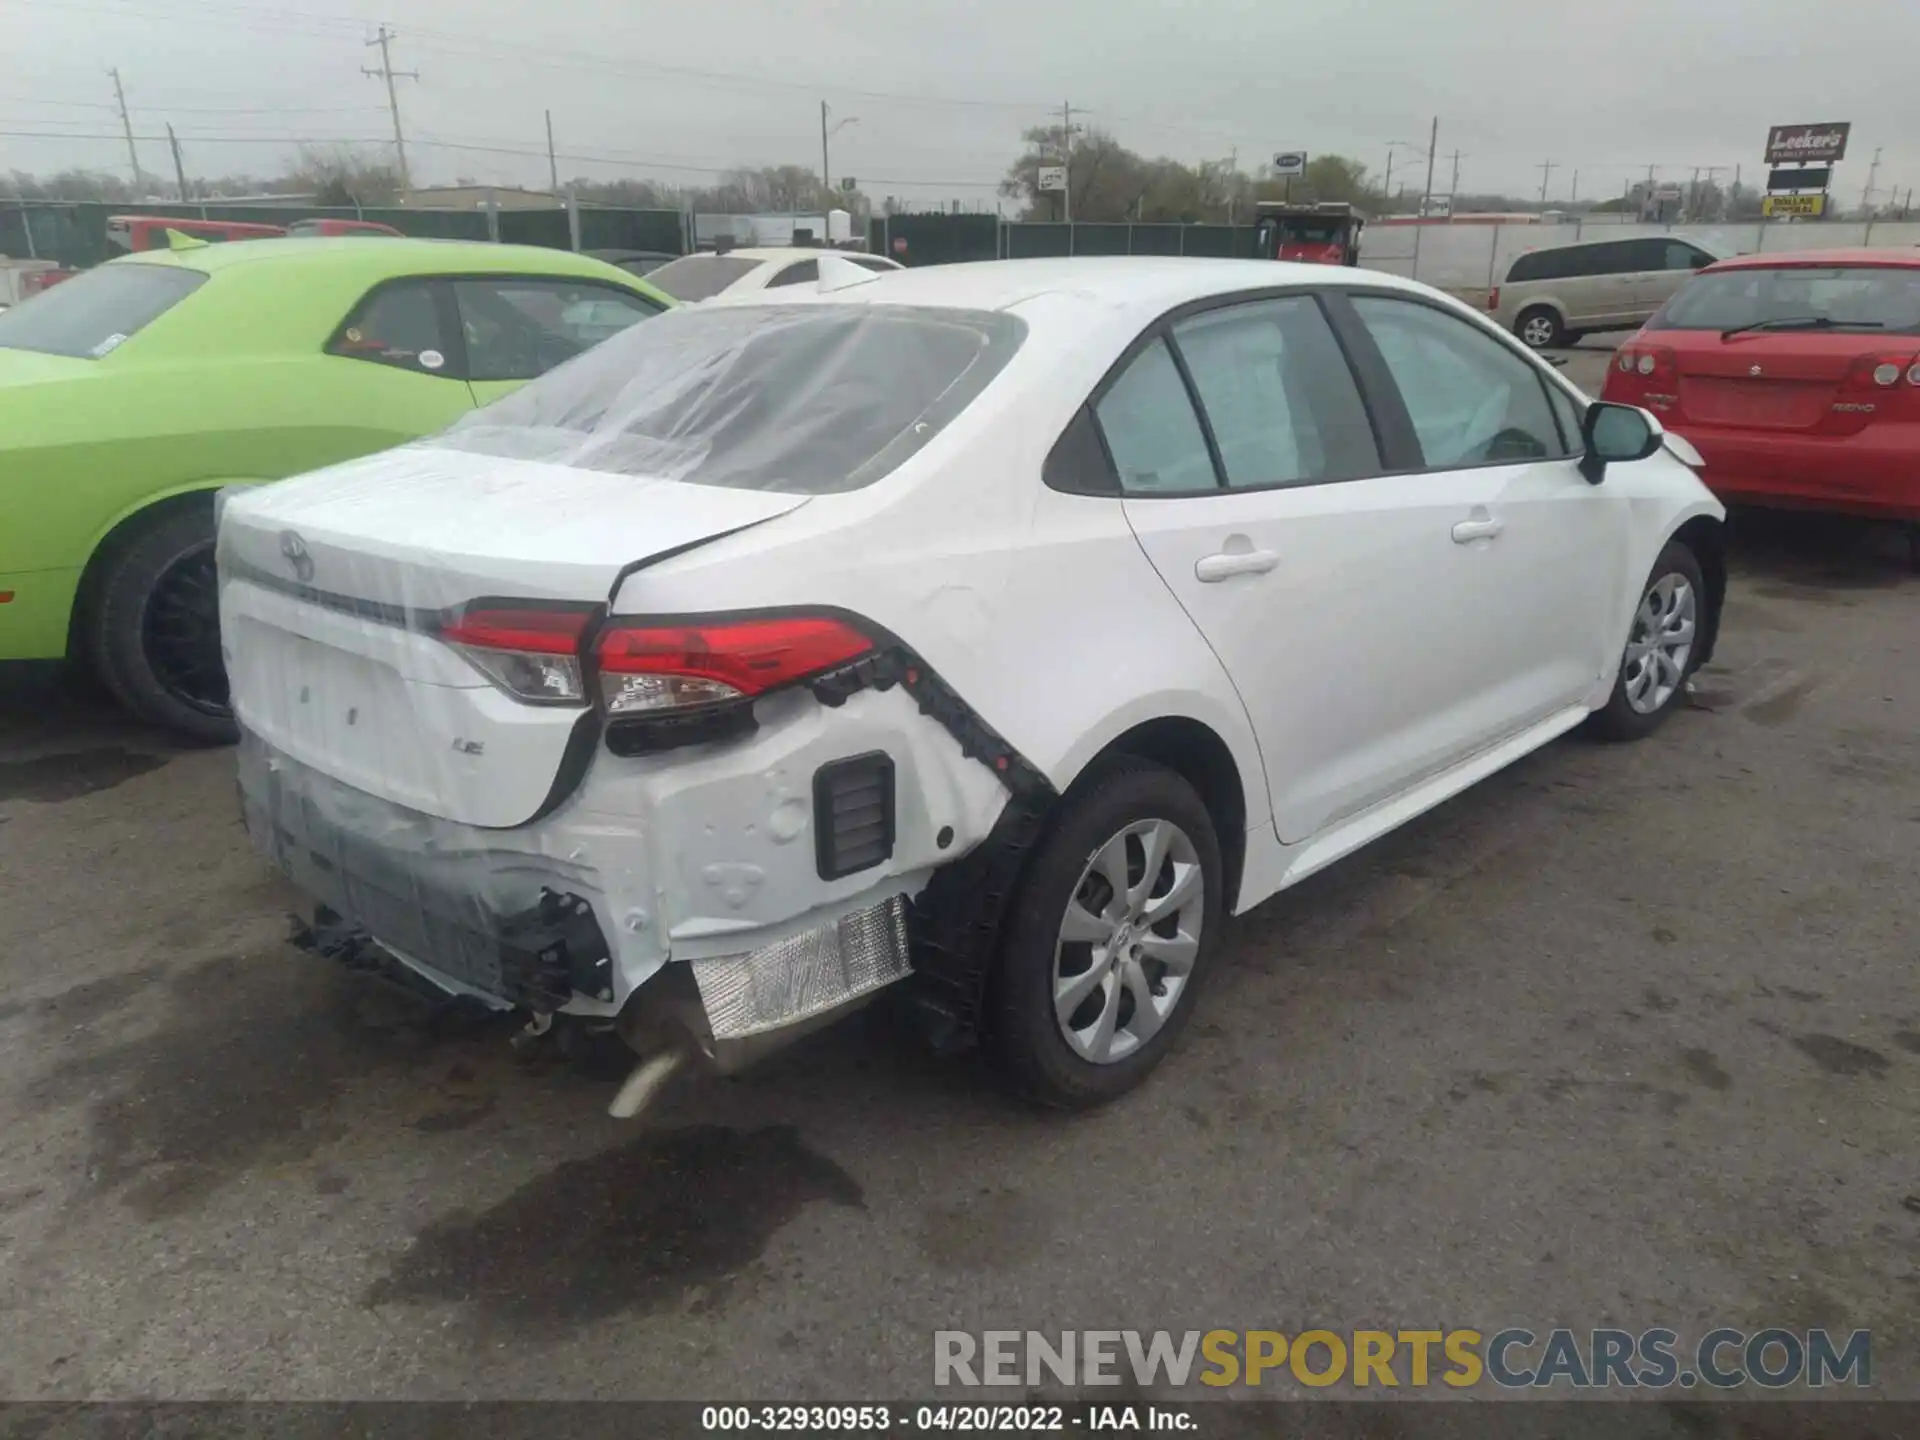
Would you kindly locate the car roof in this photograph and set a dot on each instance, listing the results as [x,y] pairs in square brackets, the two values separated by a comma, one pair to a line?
[1824,259]
[1146,284]
[377,256]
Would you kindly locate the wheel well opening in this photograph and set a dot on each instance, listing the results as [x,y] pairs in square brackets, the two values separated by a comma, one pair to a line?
[1706,537]
[93,575]
[1201,758]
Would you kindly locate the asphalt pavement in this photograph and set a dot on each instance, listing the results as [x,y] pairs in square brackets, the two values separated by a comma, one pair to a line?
[1624,1036]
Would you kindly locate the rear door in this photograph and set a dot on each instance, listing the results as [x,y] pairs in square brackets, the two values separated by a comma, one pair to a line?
[1607,283]
[1351,619]
[514,328]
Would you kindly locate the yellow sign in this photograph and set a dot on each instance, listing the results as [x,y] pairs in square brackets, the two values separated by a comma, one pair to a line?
[1793,205]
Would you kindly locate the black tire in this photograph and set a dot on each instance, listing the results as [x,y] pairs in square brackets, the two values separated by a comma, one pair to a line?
[1619,719]
[148,634]
[1539,328]
[1027,1039]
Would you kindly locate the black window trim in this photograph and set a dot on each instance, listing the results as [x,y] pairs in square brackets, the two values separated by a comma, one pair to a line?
[1542,372]
[1055,478]
[440,285]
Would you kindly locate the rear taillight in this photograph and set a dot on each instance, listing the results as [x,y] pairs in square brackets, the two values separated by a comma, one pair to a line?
[1881,372]
[530,650]
[654,668]
[1652,364]
[1493,298]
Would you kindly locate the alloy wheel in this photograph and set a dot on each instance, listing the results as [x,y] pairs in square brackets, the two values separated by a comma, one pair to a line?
[1128,941]
[180,633]
[1660,643]
[1537,332]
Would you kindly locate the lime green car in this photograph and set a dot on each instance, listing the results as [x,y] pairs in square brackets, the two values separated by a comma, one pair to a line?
[130,394]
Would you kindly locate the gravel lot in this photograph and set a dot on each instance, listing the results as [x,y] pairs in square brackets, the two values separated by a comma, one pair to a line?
[1624,1036]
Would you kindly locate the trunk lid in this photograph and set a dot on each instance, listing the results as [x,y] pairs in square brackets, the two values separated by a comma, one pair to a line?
[1779,380]
[332,585]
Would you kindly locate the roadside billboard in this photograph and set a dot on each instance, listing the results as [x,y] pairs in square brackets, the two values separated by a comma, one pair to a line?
[1821,144]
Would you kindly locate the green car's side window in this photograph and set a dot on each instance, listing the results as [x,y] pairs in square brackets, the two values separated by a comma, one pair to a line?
[397,324]
[518,327]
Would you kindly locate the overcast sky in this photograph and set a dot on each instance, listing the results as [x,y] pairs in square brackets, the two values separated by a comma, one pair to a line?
[942,90]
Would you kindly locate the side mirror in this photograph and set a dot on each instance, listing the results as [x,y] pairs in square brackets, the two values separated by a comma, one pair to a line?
[1616,434]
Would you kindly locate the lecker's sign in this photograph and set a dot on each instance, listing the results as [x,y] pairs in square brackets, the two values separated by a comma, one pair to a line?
[1813,144]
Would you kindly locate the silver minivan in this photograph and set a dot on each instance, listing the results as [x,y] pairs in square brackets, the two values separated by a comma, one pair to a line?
[1553,297]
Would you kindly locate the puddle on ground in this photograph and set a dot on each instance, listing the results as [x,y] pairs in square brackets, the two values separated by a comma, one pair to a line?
[668,1221]
[51,779]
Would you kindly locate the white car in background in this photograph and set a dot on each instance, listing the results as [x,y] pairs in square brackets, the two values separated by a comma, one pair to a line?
[705,274]
[995,632]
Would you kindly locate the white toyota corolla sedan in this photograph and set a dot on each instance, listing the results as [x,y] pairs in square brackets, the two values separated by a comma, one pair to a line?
[991,631]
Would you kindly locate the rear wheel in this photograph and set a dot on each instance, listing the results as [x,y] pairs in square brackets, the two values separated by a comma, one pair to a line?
[1109,941]
[1661,645]
[1540,329]
[155,630]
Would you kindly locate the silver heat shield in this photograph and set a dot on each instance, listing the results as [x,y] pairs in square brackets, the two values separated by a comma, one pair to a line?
[810,974]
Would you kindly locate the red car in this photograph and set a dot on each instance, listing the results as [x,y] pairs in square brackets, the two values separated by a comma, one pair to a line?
[1796,376]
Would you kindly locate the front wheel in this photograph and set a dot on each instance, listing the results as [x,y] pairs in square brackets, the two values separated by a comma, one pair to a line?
[1661,645]
[155,632]
[1110,938]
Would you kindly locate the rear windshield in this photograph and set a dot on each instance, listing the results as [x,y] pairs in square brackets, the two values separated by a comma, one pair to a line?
[699,277]
[807,399]
[1876,297]
[92,314]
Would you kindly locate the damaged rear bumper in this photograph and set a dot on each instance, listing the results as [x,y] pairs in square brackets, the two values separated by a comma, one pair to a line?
[522,928]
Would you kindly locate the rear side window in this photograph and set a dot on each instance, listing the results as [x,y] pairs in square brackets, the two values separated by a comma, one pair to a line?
[699,277]
[1472,400]
[93,314]
[1277,392]
[1151,429]
[1531,267]
[805,273]
[396,325]
[516,328]
[1883,298]
[808,400]
[869,262]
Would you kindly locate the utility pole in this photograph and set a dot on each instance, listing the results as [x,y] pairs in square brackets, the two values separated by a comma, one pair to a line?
[553,161]
[1233,182]
[1386,185]
[1066,160]
[387,73]
[1426,203]
[1574,198]
[1873,173]
[1546,174]
[1454,188]
[179,169]
[826,175]
[126,127]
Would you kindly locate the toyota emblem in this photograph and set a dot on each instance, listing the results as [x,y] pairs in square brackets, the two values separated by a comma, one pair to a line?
[294,551]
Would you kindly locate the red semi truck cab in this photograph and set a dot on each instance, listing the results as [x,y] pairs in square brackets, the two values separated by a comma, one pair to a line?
[1325,234]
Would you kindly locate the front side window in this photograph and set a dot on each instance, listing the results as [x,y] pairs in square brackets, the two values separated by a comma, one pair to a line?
[1151,429]
[1471,399]
[92,315]
[1277,391]
[398,325]
[518,328]
[1858,297]
[808,400]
